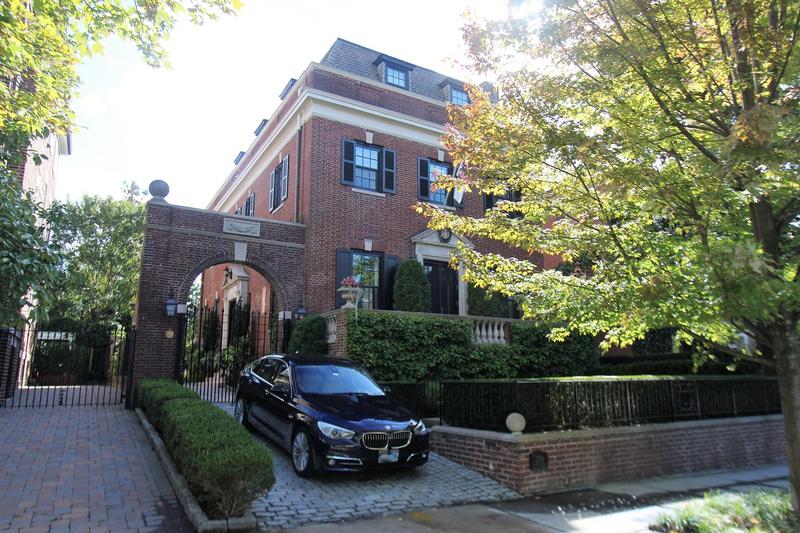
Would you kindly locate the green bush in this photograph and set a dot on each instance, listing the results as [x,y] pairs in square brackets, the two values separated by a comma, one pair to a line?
[482,303]
[655,341]
[490,361]
[309,336]
[154,393]
[539,356]
[412,290]
[223,466]
[398,347]
[768,510]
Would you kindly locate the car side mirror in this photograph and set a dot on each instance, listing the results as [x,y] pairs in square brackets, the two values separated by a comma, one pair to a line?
[282,390]
[386,388]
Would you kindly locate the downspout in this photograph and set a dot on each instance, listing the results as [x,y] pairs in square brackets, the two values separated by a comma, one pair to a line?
[297,174]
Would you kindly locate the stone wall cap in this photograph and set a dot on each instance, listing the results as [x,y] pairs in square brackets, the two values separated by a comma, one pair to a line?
[597,432]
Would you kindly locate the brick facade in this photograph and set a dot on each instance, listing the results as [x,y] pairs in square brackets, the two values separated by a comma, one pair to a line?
[179,244]
[586,458]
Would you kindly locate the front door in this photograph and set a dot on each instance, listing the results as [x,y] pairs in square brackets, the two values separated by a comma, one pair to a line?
[444,287]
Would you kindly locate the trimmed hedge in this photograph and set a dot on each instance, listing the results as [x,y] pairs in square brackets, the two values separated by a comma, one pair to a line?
[309,336]
[154,393]
[490,361]
[676,367]
[576,356]
[399,347]
[222,464]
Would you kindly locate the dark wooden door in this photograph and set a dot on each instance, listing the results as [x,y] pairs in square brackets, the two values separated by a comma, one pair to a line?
[444,287]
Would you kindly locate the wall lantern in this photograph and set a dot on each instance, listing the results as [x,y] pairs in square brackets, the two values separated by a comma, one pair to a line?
[172,306]
[300,313]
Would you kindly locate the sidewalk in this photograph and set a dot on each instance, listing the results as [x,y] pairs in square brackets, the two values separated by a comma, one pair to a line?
[626,507]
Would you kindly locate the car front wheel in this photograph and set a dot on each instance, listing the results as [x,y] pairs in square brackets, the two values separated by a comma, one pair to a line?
[302,454]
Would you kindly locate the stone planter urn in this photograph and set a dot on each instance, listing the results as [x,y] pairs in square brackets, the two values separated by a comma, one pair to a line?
[350,295]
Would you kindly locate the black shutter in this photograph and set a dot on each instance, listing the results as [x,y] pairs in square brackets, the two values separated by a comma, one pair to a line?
[388,171]
[390,263]
[488,200]
[276,201]
[424,179]
[451,200]
[272,190]
[348,161]
[344,268]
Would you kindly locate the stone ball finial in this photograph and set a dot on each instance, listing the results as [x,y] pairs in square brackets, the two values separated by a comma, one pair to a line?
[159,189]
[515,423]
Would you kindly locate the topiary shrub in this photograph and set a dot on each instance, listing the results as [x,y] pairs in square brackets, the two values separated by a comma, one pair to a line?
[154,393]
[412,290]
[398,347]
[309,336]
[223,466]
[539,356]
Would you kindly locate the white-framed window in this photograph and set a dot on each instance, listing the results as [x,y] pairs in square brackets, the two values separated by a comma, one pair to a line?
[397,76]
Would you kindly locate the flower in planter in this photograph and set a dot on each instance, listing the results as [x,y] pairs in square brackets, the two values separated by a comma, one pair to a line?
[350,282]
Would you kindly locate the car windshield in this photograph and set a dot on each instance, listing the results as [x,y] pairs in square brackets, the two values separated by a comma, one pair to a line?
[334,379]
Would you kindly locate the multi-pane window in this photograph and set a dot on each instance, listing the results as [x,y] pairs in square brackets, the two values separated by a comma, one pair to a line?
[367,270]
[366,167]
[396,76]
[428,172]
[279,184]
[249,207]
[437,169]
[490,201]
[458,96]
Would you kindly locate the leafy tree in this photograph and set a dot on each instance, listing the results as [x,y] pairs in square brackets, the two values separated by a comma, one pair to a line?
[27,259]
[43,42]
[412,290]
[101,241]
[660,141]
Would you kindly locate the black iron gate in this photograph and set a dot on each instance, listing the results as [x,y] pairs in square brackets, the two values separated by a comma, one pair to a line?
[78,366]
[215,344]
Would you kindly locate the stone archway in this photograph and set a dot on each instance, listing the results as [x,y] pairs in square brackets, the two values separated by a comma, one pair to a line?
[180,243]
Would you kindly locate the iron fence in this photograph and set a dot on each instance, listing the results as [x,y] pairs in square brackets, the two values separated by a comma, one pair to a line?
[76,365]
[574,404]
[216,344]
[421,398]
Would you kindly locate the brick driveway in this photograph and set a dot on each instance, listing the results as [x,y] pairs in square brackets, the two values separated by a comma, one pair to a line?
[295,501]
[82,469]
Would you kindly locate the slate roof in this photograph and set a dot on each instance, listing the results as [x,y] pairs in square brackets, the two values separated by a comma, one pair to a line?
[360,60]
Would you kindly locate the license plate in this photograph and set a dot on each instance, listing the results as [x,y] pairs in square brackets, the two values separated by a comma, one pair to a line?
[388,456]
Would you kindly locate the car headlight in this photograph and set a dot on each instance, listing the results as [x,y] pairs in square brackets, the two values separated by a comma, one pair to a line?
[420,428]
[335,432]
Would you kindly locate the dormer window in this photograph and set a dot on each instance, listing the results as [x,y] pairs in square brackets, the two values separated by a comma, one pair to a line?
[458,96]
[393,71]
[397,76]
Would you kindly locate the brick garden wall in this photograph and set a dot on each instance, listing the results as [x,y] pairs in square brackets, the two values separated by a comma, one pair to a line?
[586,458]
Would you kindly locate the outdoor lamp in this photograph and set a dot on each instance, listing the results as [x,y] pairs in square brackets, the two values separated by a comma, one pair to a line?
[172,306]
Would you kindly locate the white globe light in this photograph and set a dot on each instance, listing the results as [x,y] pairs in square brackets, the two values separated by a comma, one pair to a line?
[515,423]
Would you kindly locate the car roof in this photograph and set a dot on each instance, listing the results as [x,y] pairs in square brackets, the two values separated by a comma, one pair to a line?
[294,359]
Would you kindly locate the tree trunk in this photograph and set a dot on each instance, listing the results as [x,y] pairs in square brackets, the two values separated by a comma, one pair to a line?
[787,366]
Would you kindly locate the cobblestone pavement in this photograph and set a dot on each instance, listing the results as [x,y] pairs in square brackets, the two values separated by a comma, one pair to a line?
[82,469]
[294,501]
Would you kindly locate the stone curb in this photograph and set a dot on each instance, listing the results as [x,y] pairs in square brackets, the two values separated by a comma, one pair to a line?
[197,517]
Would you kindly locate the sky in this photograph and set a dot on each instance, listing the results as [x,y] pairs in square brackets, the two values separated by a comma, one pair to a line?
[185,124]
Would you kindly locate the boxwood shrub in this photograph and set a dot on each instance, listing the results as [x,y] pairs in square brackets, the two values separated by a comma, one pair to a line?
[153,393]
[309,336]
[223,466]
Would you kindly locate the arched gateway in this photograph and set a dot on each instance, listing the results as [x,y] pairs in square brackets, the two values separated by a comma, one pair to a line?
[179,244]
